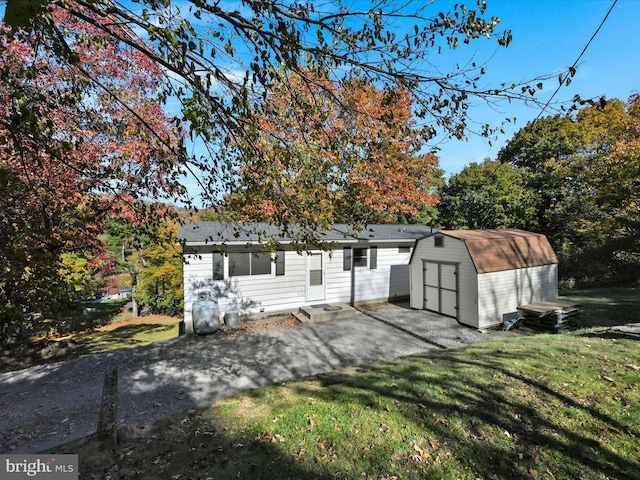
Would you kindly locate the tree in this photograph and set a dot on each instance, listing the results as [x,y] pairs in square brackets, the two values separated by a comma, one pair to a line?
[487,195]
[81,274]
[160,285]
[584,170]
[352,157]
[223,63]
[610,168]
[76,142]
[127,243]
[83,82]
[545,149]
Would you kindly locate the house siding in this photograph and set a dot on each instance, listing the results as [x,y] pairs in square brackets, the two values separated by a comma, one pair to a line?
[388,281]
[197,275]
[501,292]
[268,292]
[271,293]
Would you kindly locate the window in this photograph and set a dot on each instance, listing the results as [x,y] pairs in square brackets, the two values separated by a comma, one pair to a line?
[261,264]
[404,249]
[315,269]
[438,241]
[247,263]
[359,257]
[373,258]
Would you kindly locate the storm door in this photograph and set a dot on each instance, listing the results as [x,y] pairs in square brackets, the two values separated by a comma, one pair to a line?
[315,276]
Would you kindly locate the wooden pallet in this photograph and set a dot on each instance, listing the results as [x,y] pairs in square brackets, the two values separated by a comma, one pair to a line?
[556,315]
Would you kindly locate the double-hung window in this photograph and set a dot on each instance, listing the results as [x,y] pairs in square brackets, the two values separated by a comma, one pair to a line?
[218,266]
[360,257]
[248,264]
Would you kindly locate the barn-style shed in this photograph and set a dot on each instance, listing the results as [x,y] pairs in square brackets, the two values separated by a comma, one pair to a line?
[480,277]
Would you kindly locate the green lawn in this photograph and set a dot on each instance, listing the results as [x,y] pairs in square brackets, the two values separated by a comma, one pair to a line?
[126,336]
[607,307]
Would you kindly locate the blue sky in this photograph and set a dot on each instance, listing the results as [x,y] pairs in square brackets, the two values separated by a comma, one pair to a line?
[549,35]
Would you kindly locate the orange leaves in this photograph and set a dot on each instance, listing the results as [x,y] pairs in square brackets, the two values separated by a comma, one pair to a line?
[271,437]
[324,153]
[89,127]
[86,137]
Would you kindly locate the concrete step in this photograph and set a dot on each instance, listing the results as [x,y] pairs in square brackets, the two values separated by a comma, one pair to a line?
[326,311]
[301,317]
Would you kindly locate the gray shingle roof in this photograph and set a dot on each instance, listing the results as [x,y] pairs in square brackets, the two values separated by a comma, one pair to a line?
[201,233]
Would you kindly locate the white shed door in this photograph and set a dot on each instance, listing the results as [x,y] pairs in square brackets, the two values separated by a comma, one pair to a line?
[431,286]
[441,288]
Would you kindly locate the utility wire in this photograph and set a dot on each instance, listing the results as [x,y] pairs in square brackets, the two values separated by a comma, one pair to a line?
[573,67]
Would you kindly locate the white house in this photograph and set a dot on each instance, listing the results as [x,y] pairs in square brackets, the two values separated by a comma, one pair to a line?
[480,277]
[227,261]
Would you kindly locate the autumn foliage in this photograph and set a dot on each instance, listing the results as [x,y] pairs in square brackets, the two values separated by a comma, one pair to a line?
[81,137]
[583,173]
[332,153]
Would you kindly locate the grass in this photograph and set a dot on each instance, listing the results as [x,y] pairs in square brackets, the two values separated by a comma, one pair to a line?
[116,329]
[107,327]
[546,406]
[102,313]
[126,336]
[607,307]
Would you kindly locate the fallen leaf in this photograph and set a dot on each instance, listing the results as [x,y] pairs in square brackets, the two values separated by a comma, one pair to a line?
[417,448]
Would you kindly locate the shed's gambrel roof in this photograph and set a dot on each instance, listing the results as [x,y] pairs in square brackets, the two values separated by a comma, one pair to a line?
[216,233]
[499,250]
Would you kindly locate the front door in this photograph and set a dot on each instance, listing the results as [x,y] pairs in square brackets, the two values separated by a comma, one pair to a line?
[315,276]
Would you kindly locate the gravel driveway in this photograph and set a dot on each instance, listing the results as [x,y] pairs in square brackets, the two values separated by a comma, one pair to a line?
[48,405]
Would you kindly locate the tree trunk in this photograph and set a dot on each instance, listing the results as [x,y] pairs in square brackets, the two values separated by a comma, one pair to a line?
[134,303]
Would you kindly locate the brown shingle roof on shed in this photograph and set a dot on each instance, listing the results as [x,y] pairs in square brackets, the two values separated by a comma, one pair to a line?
[499,250]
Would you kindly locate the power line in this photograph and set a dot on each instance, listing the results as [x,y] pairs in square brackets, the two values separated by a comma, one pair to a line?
[572,69]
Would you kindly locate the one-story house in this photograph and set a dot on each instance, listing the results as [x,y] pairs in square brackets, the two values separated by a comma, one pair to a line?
[480,277]
[113,293]
[226,261]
